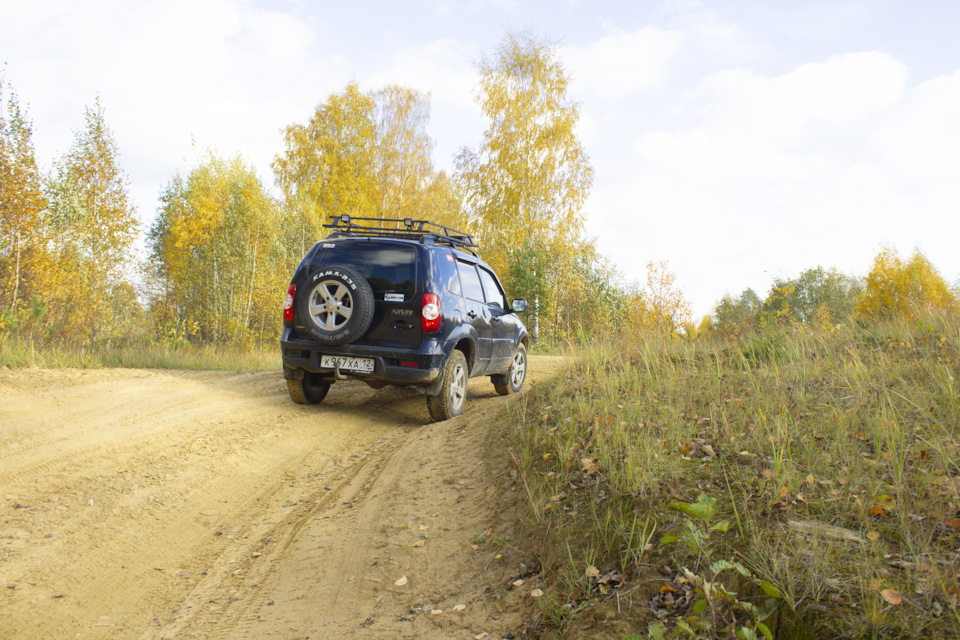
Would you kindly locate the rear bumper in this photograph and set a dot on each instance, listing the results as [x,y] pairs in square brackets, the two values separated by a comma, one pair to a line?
[304,355]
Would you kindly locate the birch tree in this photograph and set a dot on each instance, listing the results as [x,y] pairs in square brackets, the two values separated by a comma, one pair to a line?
[21,205]
[217,266]
[91,210]
[92,226]
[328,164]
[528,181]
[403,152]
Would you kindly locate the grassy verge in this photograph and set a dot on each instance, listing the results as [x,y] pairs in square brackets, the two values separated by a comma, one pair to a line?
[793,483]
[18,353]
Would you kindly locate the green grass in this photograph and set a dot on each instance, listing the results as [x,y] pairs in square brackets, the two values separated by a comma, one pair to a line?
[793,428]
[19,353]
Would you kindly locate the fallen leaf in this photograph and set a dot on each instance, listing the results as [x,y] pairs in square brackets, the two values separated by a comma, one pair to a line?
[402,580]
[459,607]
[591,572]
[878,512]
[892,596]
[784,491]
[424,527]
[419,543]
[953,523]
[517,583]
[810,479]
[873,536]
[590,466]
[482,636]
[436,612]
[536,593]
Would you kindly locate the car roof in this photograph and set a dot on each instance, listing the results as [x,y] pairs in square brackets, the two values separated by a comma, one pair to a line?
[466,256]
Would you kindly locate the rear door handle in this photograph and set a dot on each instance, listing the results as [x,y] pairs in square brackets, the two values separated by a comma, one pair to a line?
[472,314]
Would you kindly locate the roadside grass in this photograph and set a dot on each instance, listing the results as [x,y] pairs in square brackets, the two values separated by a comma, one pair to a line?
[23,352]
[832,458]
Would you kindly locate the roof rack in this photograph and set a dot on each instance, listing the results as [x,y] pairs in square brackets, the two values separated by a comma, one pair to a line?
[405,229]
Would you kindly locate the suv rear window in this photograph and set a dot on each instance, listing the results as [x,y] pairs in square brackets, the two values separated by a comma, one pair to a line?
[389,268]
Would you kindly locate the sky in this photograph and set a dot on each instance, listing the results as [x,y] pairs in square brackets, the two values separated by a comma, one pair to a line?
[739,140]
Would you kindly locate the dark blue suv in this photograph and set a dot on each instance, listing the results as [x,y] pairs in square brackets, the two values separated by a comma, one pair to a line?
[403,302]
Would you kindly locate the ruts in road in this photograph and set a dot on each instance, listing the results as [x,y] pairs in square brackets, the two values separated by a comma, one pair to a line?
[183,504]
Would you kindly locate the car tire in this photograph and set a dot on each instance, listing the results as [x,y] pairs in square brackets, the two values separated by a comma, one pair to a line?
[338,307]
[453,389]
[310,390]
[512,380]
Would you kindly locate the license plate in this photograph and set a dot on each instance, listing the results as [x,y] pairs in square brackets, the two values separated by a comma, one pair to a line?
[361,365]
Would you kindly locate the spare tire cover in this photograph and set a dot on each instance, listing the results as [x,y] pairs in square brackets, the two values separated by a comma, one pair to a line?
[338,305]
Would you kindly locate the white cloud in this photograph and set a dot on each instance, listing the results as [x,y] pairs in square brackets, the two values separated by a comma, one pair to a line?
[766,176]
[219,74]
[618,66]
[923,141]
[845,91]
[445,69]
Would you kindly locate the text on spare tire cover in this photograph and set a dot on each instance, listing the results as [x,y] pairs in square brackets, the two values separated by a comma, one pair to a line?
[336,274]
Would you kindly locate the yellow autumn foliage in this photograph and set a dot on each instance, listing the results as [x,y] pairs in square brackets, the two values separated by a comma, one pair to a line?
[898,288]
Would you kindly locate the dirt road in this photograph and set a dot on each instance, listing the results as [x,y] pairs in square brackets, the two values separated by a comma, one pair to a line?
[164,504]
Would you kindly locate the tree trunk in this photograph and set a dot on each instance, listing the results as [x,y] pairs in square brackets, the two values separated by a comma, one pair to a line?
[536,319]
[253,274]
[216,302]
[16,276]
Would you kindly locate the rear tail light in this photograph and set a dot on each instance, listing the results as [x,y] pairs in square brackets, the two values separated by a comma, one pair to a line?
[288,304]
[430,315]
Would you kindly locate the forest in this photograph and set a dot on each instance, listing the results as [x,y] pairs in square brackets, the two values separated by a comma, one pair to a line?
[222,244]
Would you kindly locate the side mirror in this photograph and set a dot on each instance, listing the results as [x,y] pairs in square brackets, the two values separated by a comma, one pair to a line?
[519,305]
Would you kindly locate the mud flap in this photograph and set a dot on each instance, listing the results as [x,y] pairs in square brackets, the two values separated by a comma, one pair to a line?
[433,388]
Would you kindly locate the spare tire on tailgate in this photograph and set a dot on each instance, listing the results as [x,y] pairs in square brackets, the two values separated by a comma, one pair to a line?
[338,306]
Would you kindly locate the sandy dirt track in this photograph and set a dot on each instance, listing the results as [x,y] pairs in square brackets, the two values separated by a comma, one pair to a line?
[165,504]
